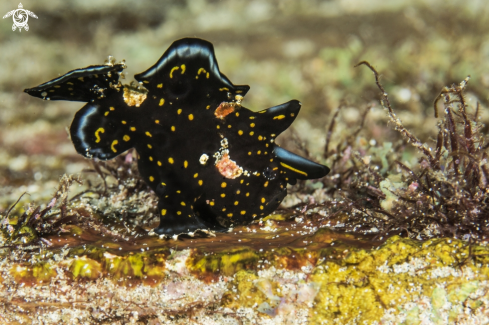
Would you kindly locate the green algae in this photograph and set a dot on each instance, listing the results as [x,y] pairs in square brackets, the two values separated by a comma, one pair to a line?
[341,283]
[37,273]
[93,263]
[85,268]
[227,263]
[243,292]
[24,235]
[367,283]
[363,284]
[125,268]
[72,229]
[462,292]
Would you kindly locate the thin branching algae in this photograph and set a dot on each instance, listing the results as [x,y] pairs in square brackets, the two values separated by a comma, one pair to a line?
[444,194]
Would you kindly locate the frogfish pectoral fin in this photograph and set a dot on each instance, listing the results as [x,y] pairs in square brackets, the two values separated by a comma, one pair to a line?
[299,167]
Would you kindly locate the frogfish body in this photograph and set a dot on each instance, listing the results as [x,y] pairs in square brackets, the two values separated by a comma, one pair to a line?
[212,162]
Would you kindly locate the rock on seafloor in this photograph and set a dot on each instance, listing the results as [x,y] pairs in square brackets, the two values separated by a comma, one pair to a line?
[337,280]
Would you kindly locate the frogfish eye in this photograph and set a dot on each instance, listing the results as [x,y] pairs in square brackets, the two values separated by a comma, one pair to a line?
[269,173]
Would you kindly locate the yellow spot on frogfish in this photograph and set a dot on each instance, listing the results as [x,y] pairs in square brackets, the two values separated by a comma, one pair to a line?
[97,136]
[173,69]
[112,146]
[279,117]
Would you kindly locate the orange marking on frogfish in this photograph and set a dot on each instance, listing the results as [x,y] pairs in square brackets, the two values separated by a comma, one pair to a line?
[228,168]
[224,110]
